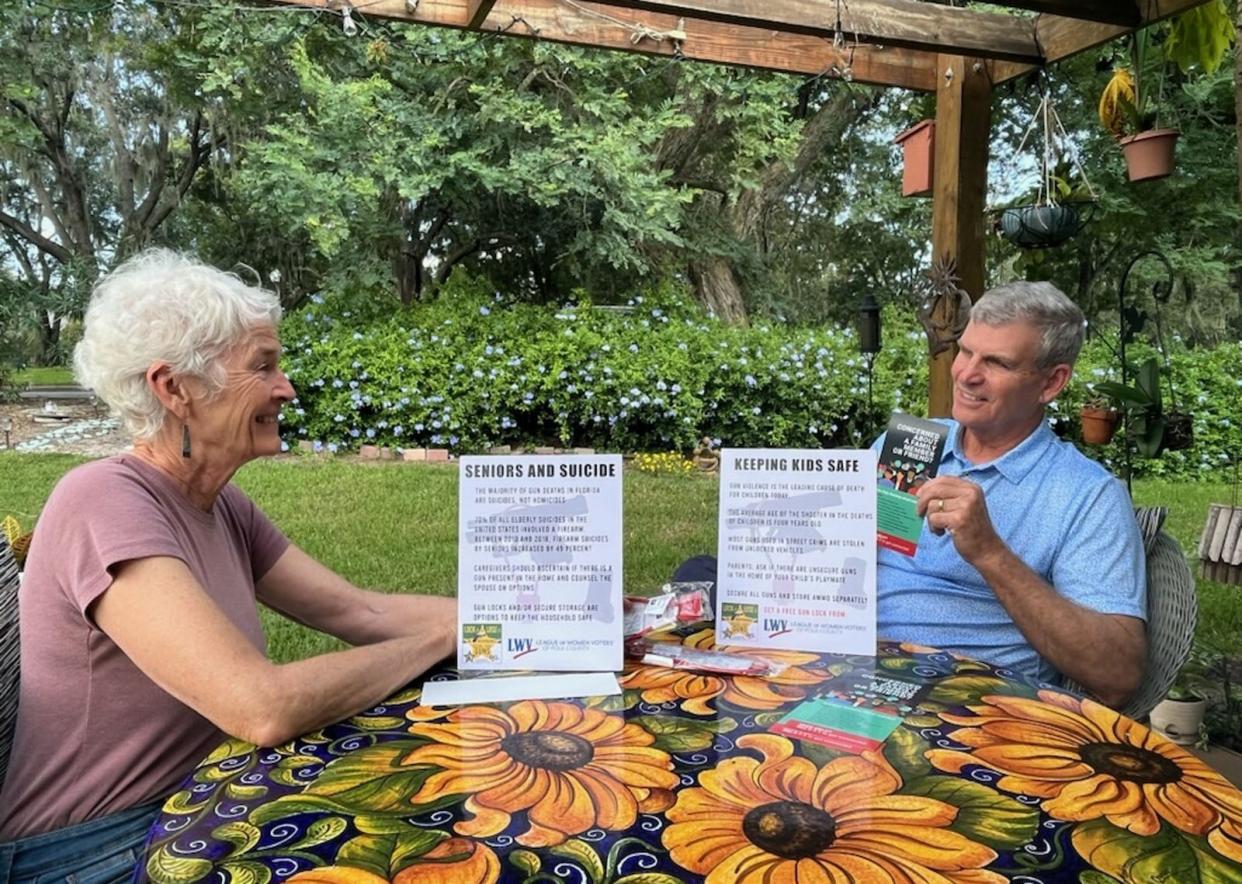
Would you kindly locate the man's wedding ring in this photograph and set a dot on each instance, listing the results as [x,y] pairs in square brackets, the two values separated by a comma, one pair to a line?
[940,502]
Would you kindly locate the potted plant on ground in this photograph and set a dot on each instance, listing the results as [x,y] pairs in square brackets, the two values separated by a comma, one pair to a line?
[1179,716]
[1099,421]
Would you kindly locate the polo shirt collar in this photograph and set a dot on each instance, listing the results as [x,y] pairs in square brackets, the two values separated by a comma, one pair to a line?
[1016,463]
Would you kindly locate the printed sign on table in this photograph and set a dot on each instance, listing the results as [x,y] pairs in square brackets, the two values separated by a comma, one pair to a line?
[796,553]
[539,563]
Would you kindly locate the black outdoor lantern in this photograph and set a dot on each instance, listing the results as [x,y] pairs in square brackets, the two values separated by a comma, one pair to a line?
[869,326]
[869,344]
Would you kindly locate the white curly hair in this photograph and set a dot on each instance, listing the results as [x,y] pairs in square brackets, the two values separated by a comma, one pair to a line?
[162,306]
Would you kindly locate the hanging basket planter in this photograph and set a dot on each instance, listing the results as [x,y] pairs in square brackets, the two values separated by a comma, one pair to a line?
[1179,431]
[1149,155]
[1062,201]
[1043,226]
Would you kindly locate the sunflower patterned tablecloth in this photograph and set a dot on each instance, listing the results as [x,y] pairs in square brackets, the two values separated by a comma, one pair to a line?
[988,779]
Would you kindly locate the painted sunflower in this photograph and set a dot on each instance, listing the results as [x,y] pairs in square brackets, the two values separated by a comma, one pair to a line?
[1087,761]
[659,685]
[570,768]
[782,819]
[452,861]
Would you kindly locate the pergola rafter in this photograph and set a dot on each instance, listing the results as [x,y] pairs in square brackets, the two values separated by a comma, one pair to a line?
[959,53]
[880,42]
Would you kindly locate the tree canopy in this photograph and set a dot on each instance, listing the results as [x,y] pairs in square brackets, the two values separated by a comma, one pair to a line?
[376,163]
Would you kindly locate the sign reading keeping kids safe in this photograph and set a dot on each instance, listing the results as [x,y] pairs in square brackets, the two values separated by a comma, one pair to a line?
[539,563]
[797,550]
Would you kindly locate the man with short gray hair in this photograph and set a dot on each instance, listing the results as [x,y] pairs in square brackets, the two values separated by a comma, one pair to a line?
[1032,558]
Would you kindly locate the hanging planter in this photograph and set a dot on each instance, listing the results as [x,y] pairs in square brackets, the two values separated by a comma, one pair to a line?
[1043,226]
[1179,431]
[1149,155]
[1063,202]
[918,158]
[1099,423]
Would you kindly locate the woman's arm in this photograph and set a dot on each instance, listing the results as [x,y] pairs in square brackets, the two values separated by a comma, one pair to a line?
[302,589]
[159,615]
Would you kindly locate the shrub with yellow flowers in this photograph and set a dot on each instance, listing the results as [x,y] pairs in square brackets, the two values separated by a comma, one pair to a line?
[663,463]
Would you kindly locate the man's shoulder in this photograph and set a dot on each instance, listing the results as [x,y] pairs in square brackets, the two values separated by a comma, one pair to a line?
[1071,464]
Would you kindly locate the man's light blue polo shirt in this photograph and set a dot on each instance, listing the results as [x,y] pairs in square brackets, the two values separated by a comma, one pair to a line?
[1060,512]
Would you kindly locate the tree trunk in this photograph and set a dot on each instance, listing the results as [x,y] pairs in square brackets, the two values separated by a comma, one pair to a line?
[715,278]
[717,288]
[49,338]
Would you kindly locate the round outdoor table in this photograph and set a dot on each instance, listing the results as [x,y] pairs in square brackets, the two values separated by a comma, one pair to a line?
[987,778]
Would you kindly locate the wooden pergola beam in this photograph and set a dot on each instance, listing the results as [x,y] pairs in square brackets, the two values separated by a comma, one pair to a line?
[1063,37]
[477,12]
[652,33]
[1113,12]
[911,24]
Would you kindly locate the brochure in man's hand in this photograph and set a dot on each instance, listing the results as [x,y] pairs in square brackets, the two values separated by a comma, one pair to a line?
[909,457]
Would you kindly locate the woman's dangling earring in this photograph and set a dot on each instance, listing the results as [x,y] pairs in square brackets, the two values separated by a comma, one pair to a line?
[185,440]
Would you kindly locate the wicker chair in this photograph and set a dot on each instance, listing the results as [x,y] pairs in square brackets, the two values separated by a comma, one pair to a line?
[8,652]
[1172,612]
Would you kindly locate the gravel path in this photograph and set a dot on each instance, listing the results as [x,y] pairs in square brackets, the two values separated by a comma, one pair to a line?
[68,429]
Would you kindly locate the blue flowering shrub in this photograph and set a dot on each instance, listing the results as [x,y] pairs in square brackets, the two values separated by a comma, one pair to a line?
[474,370]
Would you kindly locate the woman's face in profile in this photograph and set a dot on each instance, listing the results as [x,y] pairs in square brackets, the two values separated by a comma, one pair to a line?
[242,421]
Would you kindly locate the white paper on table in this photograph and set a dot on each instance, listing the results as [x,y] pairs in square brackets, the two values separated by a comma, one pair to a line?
[797,550]
[539,563]
[555,686]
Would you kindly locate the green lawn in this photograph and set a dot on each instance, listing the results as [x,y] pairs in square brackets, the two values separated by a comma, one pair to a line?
[394,527]
[43,374]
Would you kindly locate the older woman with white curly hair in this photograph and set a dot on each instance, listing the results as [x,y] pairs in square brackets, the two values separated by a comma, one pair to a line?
[141,640]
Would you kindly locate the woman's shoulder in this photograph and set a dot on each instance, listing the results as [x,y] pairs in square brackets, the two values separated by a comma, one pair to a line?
[99,484]
[93,475]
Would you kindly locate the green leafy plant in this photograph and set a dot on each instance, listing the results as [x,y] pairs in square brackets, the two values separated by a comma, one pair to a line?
[1144,405]
[1199,37]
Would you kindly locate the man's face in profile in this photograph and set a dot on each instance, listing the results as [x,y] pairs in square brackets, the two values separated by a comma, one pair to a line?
[997,386]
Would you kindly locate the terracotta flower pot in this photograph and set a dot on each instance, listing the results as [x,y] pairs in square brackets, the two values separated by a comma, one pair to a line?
[1179,720]
[918,154]
[1149,155]
[1098,425]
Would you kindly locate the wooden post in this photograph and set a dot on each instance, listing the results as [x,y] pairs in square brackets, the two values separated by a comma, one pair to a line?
[963,127]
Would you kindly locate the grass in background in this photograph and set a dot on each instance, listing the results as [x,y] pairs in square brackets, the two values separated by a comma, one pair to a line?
[1220,605]
[59,375]
[394,527]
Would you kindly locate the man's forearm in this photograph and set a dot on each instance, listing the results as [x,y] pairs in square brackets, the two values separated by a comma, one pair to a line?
[1105,653]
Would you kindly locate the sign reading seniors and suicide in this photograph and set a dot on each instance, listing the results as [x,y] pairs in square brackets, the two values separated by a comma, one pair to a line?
[796,557]
[539,563]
